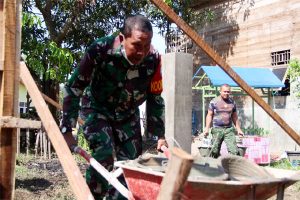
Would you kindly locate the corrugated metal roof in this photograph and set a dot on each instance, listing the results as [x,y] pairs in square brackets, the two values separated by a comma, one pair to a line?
[254,77]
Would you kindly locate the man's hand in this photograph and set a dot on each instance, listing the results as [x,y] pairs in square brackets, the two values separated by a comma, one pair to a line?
[160,143]
[70,140]
[240,133]
[205,132]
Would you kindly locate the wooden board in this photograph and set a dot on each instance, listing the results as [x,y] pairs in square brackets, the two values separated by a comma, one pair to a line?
[176,175]
[10,11]
[69,165]
[13,122]
[1,35]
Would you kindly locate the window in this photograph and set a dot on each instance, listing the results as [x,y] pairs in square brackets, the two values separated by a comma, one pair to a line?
[281,57]
[22,107]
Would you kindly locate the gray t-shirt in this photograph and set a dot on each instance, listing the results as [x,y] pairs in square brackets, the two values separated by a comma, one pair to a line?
[222,111]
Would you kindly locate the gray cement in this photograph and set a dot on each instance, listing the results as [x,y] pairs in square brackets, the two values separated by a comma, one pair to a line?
[177,83]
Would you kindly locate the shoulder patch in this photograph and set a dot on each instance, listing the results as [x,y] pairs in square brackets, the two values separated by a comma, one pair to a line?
[156,82]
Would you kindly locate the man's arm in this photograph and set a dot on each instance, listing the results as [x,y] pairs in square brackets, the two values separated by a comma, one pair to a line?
[74,89]
[237,123]
[208,121]
[155,110]
[155,107]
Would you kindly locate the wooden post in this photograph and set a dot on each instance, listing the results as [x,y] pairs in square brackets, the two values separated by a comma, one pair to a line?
[49,149]
[10,11]
[45,144]
[176,175]
[37,143]
[1,39]
[221,62]
[27,141]
[69,165]
[41,143]
[18,140]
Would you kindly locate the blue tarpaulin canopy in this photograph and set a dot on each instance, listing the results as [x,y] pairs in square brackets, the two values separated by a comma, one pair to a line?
[254,77]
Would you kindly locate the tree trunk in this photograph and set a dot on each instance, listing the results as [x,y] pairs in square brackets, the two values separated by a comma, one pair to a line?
[51,89]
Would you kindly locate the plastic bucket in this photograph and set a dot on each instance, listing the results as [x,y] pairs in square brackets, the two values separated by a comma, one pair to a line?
[242,151]
[204,151]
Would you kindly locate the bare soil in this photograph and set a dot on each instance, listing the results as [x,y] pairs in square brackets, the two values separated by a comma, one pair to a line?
[38,179]
[43,179]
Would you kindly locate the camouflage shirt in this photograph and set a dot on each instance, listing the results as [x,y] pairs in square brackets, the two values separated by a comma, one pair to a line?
[109,85]
[222,111]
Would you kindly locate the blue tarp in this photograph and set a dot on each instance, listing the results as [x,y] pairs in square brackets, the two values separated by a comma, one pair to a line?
[254,77]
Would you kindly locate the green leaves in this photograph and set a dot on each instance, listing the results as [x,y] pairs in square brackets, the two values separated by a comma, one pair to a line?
[30,20]
[56,33]
[256,131]
[294,74]
[294,69]
[50,61]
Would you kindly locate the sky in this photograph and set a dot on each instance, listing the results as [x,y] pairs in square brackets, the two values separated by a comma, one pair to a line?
[158,41]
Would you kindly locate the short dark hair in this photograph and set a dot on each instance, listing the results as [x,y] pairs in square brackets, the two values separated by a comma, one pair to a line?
[224,85]
[138,22]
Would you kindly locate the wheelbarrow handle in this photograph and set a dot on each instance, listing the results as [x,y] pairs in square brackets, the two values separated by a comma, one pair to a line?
[166,151]
[110,177]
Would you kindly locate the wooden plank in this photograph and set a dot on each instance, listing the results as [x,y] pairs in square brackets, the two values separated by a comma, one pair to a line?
[176,175]
[1,94]
[10,28]
[51,101]
[222,63]
[13,122]
[1,36]
[70,167]
[58,106]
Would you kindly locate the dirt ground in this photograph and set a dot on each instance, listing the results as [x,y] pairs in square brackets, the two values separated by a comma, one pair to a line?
[42,179]
[38,179]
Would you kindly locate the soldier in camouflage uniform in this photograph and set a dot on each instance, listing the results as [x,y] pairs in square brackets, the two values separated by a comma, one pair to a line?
[222,112]
[116,75]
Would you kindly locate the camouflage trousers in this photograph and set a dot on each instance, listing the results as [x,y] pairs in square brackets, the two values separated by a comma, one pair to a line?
[223,134]
[110,140]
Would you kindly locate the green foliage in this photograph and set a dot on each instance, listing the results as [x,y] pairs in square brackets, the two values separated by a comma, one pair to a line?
[43,56]
[82,142]
[256,131]
[284,164]
[294,74]
[192,17]
[294,69]
[55,34]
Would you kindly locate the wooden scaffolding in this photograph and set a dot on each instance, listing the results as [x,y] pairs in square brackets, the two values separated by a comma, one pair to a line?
[10,71]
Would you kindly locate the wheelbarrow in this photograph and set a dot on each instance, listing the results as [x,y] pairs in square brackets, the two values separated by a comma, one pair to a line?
[229,177]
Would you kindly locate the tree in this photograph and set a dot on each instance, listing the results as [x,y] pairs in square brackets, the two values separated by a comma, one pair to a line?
[294,74]
[55,33]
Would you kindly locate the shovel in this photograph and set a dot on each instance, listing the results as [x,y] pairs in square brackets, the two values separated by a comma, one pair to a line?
[111,177]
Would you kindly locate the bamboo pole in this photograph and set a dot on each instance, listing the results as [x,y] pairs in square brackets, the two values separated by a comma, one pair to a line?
[37,143]
[41,143]
[10,52]
[45,144]
[221,62]
[69,165]
[27,141]
[49,149]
